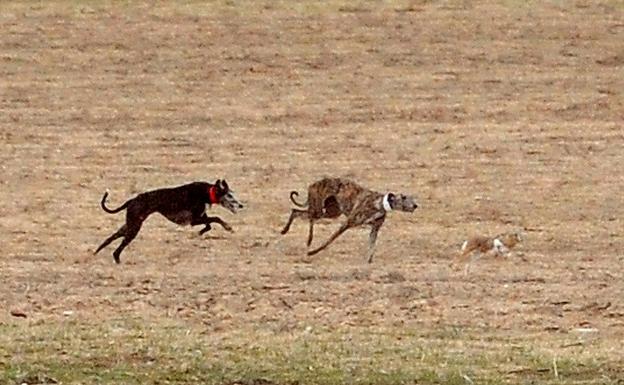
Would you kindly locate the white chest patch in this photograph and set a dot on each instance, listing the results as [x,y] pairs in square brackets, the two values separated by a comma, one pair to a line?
[385,203]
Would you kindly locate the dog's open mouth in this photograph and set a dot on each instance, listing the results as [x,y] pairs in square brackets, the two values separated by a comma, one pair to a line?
[234,207]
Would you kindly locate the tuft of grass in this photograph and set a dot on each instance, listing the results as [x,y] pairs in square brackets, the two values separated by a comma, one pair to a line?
[135,351]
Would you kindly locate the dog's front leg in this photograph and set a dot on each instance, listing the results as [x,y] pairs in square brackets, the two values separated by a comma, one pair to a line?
[220,221]
[205,229]
[206,220]
[372,238]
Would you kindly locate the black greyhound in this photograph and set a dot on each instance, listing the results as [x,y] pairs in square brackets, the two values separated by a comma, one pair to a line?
[184,205]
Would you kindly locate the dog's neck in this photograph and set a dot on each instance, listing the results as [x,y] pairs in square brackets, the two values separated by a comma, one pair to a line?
[385,203]
[212,195]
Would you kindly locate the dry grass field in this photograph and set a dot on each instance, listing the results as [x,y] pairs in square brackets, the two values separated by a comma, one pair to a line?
[502,115]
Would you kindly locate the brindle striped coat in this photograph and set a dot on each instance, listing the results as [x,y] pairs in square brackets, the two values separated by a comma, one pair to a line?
[332,197]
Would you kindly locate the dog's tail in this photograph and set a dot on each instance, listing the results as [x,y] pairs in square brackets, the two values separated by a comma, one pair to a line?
[294,194]
[111,211]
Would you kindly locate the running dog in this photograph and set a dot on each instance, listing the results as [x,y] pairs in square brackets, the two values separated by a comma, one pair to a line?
[477,246]
[184,205]
[332,197]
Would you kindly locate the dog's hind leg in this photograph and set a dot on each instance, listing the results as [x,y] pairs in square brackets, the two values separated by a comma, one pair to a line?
[333,237]
[473,258]
[120,233]
[295,213]
[461,256]
[310,233]
[130,234]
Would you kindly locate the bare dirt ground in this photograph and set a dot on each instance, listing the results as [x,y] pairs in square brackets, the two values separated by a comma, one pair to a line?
[497,117]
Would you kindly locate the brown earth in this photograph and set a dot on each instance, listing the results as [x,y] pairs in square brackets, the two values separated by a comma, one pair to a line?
[496,116]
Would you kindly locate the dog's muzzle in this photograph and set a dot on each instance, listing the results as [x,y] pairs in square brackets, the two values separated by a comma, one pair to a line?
[233,206]
[234,209]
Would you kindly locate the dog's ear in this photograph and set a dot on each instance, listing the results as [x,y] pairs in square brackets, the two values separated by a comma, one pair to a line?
[225,186]
[218,183]
[391,198]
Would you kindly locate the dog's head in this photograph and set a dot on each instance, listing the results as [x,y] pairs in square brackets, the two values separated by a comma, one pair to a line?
[512,238]
[225,197]
[401,202]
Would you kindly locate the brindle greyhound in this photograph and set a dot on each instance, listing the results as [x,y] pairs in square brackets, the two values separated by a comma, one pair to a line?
[331,197]
[184,205]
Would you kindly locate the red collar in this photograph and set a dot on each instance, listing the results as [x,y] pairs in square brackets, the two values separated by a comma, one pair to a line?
[212,194]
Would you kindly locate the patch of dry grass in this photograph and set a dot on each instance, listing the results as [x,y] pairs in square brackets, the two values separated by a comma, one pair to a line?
[498,116]
[137,351]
